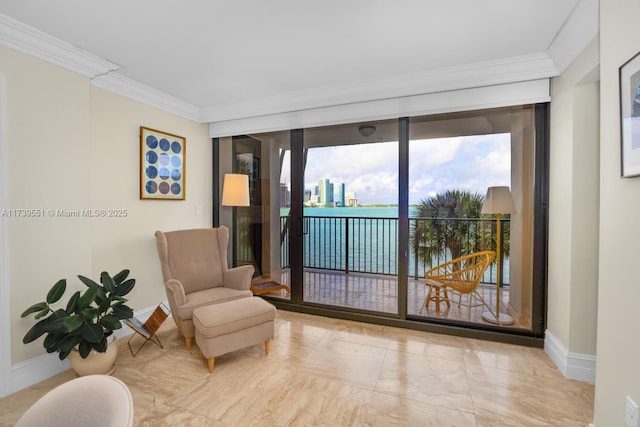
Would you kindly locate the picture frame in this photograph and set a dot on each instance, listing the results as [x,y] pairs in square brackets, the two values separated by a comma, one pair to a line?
[248,164]
[162,165]
[629,74]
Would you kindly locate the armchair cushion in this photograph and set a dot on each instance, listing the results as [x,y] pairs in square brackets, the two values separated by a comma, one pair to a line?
[208,297]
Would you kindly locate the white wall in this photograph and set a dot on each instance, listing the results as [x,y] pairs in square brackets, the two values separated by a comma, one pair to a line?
[618,349]
[75,146]
[573,209]
[48,149]
[5,318]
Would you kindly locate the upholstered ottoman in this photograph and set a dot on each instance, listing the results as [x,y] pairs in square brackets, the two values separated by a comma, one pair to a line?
[229,326]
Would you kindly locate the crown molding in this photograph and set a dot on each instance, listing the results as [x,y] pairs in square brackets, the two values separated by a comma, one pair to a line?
[480,74]
[133,89]
[26,39]
[577,32]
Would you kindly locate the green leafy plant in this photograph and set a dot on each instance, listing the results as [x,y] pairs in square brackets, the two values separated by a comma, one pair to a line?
[442,228]
[88,319]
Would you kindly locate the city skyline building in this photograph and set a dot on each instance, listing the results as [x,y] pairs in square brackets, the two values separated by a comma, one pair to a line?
[350,199]
[323,194]
[340,201]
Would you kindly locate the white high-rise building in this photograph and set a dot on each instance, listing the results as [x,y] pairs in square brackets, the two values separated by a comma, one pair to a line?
[350,199]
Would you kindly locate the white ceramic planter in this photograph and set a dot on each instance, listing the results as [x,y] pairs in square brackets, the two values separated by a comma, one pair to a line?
[95,362]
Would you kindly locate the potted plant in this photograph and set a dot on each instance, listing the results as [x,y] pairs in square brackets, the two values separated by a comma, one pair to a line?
[83,326]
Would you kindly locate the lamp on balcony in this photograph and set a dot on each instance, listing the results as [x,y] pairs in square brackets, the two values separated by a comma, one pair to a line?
[235,190]
[498,201]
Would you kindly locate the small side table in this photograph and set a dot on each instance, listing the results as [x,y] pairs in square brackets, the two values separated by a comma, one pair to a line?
[267,285]
[149,328]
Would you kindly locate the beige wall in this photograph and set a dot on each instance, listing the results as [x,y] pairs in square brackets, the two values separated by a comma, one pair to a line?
[74,146]
[573,205]
[618,350]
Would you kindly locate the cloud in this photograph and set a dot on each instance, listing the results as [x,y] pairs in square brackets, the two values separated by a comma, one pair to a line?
[381,187]
[351,162]
[424,153]
[370,171]
[470,163]
[500,161]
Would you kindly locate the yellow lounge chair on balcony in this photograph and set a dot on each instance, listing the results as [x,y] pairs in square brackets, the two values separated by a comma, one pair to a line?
[461,275]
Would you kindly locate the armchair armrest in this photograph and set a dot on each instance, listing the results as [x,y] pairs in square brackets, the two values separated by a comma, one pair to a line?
[239,277]
[176,290]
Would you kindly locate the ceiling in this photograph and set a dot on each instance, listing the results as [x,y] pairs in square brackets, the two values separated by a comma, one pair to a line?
[218,56]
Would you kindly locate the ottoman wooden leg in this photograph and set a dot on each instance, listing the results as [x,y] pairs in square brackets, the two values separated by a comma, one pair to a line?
[187,341]
[210,364]
[266,346]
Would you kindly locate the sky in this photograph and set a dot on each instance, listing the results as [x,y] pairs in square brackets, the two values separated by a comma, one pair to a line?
[470,163]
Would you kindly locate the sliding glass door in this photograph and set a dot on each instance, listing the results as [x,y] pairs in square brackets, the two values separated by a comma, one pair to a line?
[454,159]
[355,216]
[350,216]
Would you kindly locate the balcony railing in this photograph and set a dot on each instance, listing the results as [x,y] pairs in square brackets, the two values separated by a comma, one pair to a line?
[370,245]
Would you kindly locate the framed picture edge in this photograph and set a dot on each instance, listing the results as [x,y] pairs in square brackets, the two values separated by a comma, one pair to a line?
[624,88]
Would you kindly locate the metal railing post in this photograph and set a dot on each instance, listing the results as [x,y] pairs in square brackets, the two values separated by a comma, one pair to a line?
[346,246]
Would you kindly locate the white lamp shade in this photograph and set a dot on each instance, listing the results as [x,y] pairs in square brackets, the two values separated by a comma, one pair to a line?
[235,191]
[498,201]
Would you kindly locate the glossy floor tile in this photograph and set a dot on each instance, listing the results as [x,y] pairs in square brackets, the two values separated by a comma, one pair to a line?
[333,372]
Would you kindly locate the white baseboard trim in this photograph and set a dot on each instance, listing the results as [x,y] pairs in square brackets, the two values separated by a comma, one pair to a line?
[32,371]
[39,368]
[574,366]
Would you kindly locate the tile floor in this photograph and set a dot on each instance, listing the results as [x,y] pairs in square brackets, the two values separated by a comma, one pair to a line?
[332,372]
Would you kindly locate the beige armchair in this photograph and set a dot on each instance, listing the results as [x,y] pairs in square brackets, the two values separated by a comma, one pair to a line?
[196,273]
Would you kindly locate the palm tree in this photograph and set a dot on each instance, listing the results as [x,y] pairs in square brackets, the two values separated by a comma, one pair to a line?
[437,233]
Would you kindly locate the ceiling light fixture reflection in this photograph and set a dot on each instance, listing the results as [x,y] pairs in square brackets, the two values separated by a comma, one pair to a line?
[366,130]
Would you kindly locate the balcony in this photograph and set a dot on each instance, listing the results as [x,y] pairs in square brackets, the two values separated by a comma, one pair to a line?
[352,262]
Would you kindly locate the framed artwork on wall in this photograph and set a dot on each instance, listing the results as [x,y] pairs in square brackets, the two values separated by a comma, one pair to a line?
[630,117]
[162,165]
[249,164]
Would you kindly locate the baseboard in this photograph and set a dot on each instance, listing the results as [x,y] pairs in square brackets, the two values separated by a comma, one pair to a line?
[39,368]
[32,371]
[574,366]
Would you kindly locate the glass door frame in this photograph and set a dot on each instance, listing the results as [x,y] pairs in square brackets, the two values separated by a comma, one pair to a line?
[296,217]
[297,221]
[403,215]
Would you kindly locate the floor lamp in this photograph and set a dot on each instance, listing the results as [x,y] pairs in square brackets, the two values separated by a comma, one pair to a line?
[235,190]
[498,201]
